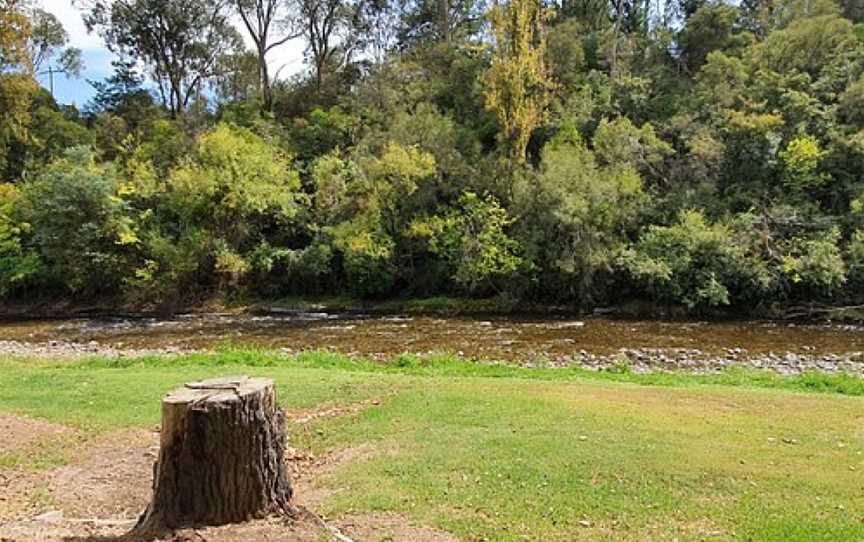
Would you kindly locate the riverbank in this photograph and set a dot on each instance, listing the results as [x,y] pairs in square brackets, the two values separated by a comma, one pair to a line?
[52,308]
[550,342]
[61,308]
[442,450]
[626,360]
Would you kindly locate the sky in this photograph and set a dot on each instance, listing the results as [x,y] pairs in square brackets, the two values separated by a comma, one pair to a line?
[97,58]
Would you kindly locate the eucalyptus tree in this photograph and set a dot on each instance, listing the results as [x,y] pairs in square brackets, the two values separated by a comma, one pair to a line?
[326,26]
[269,26]
[48,44]
[180,41]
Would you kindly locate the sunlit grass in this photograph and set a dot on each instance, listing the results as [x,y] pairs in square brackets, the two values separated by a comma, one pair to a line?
[502,453]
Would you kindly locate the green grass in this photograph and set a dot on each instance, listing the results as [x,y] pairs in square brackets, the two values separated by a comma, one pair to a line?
[501,453]
[448,365]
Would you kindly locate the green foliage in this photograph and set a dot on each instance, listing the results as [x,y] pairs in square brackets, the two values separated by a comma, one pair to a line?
[322,132]
[472,239]
[518,82]
[620,143]
[18,265]
[816,263]
[711,28]
[555,153]
[367,257]
[234,177]
[801,159]
[17,85]
[692,262]
[283,270]
[574,214]
[78,224]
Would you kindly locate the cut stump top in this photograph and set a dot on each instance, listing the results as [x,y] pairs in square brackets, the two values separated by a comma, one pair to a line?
[218,390]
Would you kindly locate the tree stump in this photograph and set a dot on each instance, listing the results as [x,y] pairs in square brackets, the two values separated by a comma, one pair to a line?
[221,457]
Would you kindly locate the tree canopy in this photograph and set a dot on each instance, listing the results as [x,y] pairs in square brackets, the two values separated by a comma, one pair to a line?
[700,154]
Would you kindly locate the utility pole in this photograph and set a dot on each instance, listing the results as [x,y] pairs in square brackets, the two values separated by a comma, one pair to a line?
[51,71]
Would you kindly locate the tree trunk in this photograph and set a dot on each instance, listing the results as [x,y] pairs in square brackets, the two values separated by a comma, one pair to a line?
[266,89]
[221,457]
[444,21]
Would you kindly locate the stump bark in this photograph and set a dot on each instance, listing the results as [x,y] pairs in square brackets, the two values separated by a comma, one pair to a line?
[221,457]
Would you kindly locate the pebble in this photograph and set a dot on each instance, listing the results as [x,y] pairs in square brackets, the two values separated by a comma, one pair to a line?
[53,516]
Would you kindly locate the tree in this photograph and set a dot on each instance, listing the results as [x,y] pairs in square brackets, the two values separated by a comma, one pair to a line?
[18,265]
[472,239]
[78,224]
[326,27]
[123,95]
[48,44]
[694,262]
[710,28]
[429,21]
[179,40]
[17,85]
[574,214]
[518,83]
[237,78]
[235,185]
[268,31]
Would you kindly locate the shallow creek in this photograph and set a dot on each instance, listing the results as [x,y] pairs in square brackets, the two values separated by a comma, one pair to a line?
[594,342]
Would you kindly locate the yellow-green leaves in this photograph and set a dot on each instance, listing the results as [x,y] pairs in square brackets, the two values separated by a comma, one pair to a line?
[518,82]
[16,80]
[801,159]
[234,174]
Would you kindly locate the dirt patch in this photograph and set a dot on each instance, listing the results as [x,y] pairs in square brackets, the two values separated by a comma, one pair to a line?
[307,472]
[271,529]
[304,416]
[109,478]
[22,432]
[98,495]
[389,526]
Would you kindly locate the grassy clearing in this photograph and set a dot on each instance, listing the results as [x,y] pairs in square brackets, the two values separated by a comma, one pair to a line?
[498,453]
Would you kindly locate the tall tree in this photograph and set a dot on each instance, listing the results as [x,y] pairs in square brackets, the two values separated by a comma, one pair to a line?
[180,40]
[440,20]
[326,27]
[48,44]
[518,83]
[268,27]
[16,77]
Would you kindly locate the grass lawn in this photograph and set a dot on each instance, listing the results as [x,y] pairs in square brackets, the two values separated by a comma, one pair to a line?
[495,453]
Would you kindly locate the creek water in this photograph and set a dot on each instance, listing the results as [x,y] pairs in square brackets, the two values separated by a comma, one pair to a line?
[521,339]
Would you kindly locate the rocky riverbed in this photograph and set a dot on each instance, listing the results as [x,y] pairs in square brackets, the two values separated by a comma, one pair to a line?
[77,350]
[597,343]
[643,360]
[640,360]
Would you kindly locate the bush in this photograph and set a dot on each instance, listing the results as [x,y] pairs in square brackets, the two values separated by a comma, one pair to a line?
[692,262]
[79,226]
[472,239]
[18,266]
[367,257]
[815,265]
